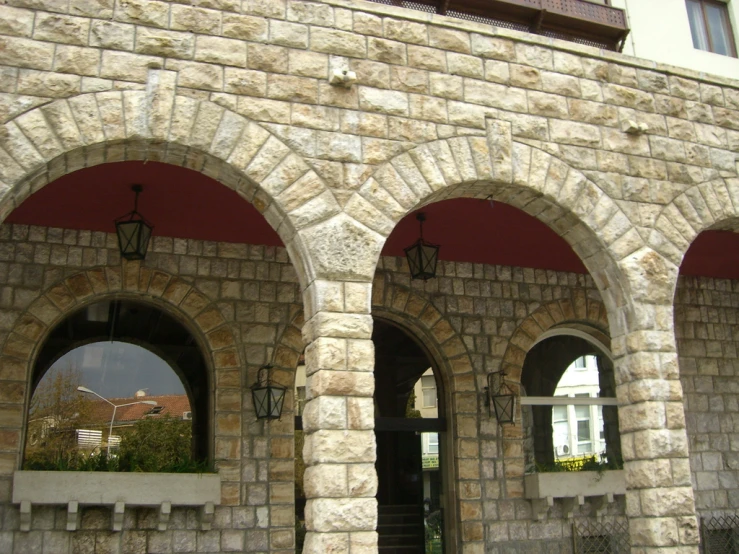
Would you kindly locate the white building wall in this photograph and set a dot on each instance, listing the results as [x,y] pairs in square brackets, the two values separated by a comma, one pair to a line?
[660,31]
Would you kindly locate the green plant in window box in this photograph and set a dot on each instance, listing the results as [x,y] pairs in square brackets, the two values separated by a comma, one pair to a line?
[585,463]
[154,445]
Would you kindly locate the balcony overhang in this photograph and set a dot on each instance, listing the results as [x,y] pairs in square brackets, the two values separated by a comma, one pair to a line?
[574,20]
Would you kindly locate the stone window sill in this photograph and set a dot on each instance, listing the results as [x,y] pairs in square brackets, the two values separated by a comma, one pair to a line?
[117,490]
[599,487]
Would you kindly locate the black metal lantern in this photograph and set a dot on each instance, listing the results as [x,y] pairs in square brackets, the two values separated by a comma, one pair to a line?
[268,398]
[133,231]
[422,256]
[501,399]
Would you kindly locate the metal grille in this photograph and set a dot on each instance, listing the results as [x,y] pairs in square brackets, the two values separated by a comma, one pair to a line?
[420,5]
[720,534]
[575,8]
[489,21]
[579,40]
[590,537]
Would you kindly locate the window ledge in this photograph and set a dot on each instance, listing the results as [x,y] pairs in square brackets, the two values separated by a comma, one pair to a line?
[117,490]
[599,487]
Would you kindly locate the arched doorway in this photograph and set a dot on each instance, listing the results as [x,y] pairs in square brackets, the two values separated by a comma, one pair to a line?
[409,401]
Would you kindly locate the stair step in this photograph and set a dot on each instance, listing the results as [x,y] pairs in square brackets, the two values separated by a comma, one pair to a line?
[400,529]
[399,518]
[398,508]
[401,541]
[412,528]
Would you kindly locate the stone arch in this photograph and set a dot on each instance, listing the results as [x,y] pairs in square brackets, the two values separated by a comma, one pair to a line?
[157,124]
[709,205]
[572,312]
[521,175]
[583,315]
[416,312]
[289,347]
[132,281]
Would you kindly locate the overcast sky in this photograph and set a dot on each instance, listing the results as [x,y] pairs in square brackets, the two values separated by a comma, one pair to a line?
[119,369]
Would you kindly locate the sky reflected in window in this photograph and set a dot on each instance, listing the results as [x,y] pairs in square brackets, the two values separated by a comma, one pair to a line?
[119,369]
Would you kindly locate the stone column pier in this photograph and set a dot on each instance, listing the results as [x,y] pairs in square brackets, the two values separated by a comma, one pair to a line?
[659,495]
[338,420]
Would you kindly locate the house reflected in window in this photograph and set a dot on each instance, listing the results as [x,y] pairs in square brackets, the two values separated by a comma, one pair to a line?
[578,430]
[93,395]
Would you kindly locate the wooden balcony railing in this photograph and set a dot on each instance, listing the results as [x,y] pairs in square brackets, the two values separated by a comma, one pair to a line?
[581,21]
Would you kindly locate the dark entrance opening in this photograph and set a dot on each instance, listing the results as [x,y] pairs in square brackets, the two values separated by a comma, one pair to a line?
[407,428]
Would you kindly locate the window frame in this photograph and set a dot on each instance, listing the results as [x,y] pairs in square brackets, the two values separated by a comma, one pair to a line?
[725,21]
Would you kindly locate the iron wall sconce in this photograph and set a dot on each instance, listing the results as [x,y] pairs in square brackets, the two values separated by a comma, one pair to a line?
[268,398]
[500,398]
[422,256]
[133,231]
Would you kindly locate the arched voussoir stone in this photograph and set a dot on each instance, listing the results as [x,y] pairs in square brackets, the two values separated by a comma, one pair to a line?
[518,174]
[131,280]
[574,313]
[710,205]
[156,124]
[415,312]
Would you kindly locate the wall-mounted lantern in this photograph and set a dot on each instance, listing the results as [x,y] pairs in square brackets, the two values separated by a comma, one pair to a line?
[268,398]
[500,398]
[133,231]
[422,256]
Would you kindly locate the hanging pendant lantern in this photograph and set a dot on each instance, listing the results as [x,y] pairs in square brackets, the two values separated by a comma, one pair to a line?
[422,256]
[501,399]
[267,397]
[133,231]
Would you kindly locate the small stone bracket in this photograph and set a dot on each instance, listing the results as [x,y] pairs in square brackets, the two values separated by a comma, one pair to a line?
[119,509]
[569,504]
[600,504]
[342,78]
[165,511]
[25,515]
[541,506]
[207,515]
[115,491]
[631,127]
[73,515]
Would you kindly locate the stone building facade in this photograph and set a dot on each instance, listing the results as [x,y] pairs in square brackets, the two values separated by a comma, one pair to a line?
[239,91]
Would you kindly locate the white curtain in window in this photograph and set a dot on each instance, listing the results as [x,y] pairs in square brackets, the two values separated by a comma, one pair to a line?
[697,25]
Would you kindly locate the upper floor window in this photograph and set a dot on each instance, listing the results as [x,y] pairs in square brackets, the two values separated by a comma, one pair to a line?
[711,27]
[428,385]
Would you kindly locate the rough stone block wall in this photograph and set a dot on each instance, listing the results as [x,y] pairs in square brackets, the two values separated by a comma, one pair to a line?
[706,326]
[442,108]
[485,307]
[255,290]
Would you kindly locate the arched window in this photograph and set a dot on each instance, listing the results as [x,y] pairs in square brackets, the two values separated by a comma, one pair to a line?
[113,366]
[576,372]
